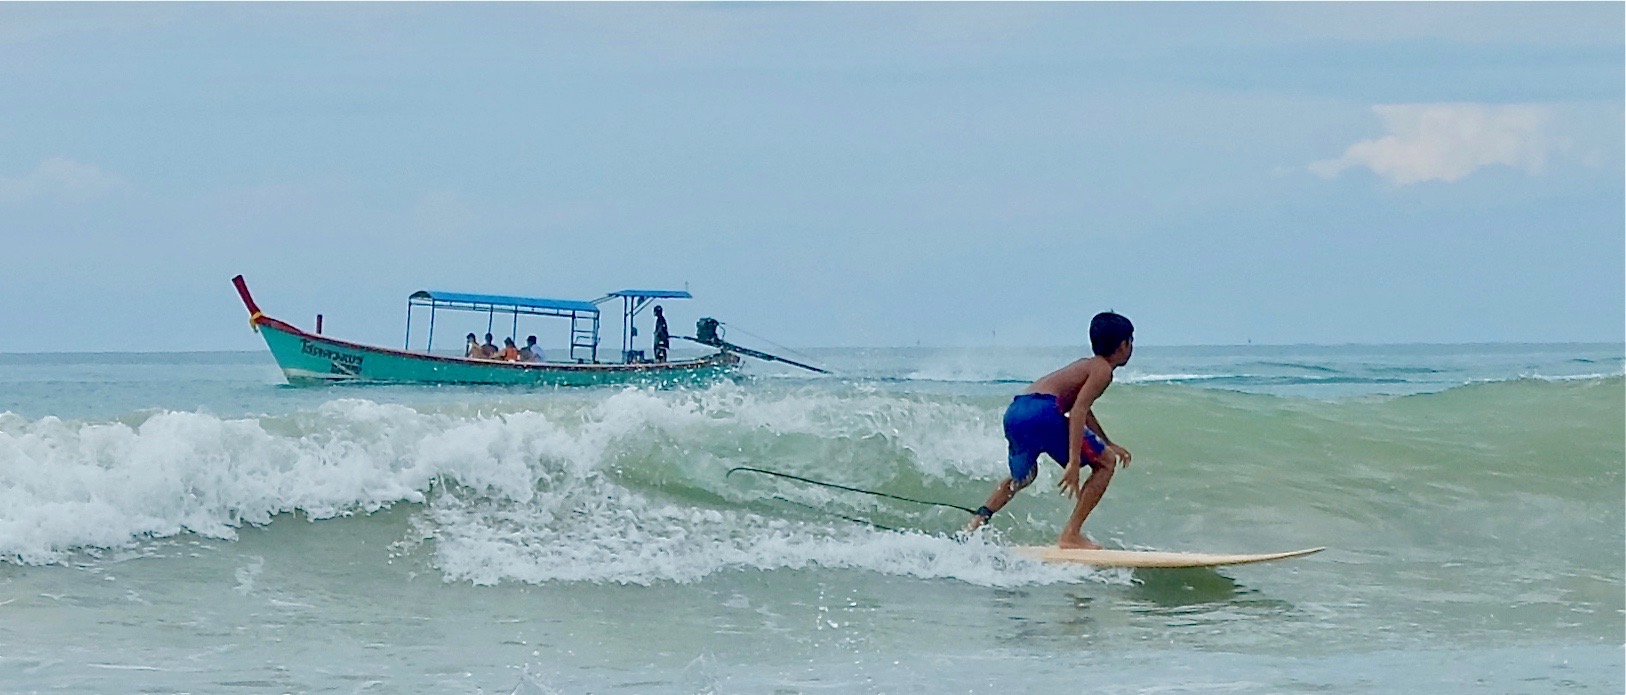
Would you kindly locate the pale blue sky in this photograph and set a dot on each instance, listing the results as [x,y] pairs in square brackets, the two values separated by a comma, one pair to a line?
[823,174]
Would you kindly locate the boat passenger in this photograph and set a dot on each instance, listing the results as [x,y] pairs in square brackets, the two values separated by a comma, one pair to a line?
[473,349]
[530,353]
[509,352]
[488,348]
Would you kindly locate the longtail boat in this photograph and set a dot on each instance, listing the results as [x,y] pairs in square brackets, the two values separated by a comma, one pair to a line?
[311,358]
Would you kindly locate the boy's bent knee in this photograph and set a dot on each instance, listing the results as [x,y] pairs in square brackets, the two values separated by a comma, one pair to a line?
[1102,466]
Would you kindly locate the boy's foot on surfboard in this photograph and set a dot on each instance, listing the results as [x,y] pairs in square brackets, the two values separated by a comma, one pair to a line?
[1077,542]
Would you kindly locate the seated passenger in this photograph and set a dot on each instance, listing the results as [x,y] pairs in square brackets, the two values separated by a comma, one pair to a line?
[509,352]
[473,350]
[530,353]
[488,348]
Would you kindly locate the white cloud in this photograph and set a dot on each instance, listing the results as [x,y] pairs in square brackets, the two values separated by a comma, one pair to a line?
[59,178]
[1446,142]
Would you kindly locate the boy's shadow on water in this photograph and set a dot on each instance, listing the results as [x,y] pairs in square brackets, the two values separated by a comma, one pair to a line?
[1180,588]
[1173,597]
[1198,597]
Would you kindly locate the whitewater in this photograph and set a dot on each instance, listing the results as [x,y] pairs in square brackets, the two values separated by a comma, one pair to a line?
[186,523]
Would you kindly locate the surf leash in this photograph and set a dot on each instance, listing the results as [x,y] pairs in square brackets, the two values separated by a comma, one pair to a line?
[853,519]
[821,483]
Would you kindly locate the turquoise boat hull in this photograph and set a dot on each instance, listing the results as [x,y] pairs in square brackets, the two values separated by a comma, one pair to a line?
[307,358]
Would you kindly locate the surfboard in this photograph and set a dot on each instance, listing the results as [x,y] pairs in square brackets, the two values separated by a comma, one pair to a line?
[1150,558]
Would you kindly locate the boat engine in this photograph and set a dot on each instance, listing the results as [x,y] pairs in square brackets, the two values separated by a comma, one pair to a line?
[707,331]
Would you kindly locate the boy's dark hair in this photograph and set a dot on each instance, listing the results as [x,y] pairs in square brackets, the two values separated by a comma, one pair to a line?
[1108,331]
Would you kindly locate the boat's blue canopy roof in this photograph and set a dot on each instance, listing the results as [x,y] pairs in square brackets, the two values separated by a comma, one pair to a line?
[506,301]
[653,294]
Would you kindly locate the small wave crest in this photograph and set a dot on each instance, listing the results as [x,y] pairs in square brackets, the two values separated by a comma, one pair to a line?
[103,484]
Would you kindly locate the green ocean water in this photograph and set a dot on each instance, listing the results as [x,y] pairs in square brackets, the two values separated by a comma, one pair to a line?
[183,523]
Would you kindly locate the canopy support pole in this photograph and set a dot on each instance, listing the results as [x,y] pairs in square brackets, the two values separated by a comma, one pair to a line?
[430,348]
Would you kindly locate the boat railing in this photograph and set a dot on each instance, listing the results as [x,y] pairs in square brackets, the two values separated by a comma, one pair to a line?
[584,316]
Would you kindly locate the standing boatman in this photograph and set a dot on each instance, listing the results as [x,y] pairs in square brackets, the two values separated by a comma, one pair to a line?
[663,339]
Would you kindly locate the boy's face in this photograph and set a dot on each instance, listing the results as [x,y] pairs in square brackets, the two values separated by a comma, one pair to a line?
[1124,352]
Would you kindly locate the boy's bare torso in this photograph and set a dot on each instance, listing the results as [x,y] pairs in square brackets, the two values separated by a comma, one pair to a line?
[1066,382]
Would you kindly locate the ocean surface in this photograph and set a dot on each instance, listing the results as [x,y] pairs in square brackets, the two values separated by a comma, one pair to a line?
[187,523]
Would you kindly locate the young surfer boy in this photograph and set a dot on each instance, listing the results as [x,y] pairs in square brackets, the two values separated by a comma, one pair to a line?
[1053,417]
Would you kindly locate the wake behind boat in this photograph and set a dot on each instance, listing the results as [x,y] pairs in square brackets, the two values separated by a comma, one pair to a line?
[311,358]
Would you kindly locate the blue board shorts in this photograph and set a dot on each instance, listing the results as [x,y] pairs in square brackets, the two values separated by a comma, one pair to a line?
[1034,425]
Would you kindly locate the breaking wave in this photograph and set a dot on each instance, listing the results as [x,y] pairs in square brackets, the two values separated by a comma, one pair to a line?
[631,486]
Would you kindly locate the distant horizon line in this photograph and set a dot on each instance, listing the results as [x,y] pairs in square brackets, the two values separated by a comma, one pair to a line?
[1621,343]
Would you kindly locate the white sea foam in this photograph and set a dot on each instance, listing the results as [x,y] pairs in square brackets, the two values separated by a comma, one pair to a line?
[1134,378]
[629,539]
[1572,377]
[72,485]
[567,489]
